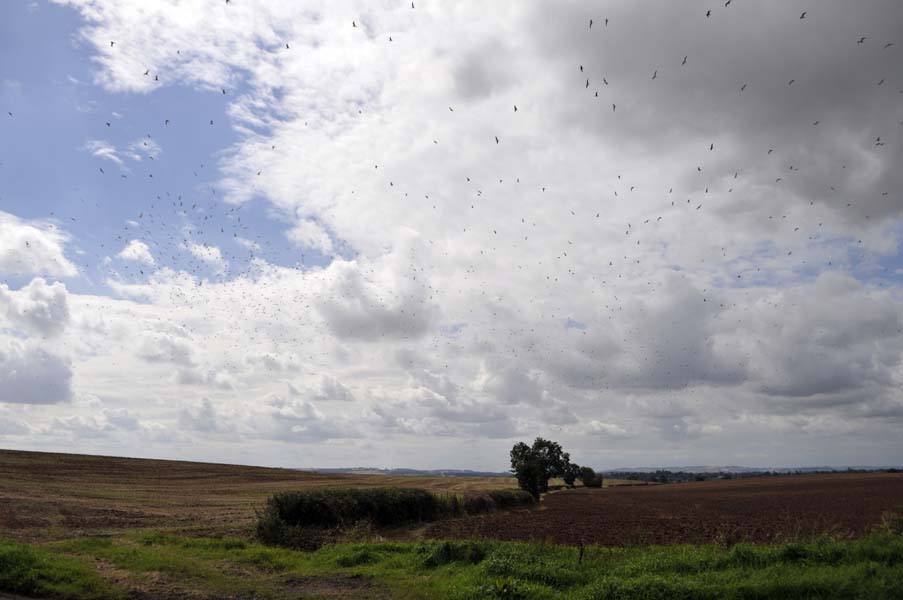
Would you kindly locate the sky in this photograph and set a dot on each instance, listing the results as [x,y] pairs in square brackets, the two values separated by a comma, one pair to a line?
[398,234]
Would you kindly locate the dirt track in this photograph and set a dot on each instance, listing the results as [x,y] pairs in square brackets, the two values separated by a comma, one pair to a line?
[760,510]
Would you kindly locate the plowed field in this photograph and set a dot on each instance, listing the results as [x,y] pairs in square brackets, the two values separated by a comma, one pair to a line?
[756,510]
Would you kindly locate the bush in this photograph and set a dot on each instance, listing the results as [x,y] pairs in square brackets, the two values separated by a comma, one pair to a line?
[308,519]
[588,477]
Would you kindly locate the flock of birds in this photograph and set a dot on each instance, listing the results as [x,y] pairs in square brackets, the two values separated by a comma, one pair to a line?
[216,243]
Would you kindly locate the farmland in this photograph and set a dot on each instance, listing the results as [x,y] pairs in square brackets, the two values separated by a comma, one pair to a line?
[745,510]
[109,528]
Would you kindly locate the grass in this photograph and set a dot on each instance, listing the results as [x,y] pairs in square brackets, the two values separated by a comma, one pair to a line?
[39,572]
[870,567]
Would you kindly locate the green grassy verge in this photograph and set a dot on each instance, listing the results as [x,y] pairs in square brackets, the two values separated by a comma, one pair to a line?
[39,572]
[868,568]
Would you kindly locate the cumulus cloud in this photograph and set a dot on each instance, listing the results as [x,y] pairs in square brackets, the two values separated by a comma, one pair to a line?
[31,375]
[33,248]
[210,256]
[165,348]
[138,251]
[37,308]
[648,253]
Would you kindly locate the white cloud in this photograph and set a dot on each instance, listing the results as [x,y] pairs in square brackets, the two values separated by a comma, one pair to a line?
[138,251]
[30,375]
[33,248]
[209,255]
[37,308]
[715,311]
[103,149]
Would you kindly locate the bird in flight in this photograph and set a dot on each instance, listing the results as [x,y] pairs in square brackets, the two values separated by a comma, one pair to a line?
[590,23]
[112,43]
[708,14]
[655,75]
[684,61]
[803,16]
[862,40]
[888,45]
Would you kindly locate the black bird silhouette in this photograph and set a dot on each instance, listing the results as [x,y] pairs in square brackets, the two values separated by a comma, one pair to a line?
[590,23]
[803,16]
[684,61]
[708,14]
[742,87]
[587,83]
[496,139]
[112,43]
[515,108]
[147,72]
[862,40]
[613,107]
[888,45]
[655,75]
[353,24]
[224,91]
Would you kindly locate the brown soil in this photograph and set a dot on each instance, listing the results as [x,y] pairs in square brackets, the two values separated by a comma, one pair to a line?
[47,496]
[756,510]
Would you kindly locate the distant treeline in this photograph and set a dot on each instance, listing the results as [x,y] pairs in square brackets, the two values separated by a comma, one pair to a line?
[664,476]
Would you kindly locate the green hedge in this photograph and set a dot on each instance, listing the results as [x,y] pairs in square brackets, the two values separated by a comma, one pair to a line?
[293,518]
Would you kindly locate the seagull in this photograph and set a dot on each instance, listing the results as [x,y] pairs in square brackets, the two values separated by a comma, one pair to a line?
[496,139]
[861,40]
[888,45]
[353,24]
[742,87]
[613,107]
[655,75]
[515,108]
[605,81]
[590,23]
[791,82]
[112,43]
[708,14]
[147,72]
[684,61]
[803,16]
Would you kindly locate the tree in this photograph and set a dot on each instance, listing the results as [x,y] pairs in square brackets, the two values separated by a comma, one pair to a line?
[588,477]
[571,474]
[535,465]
